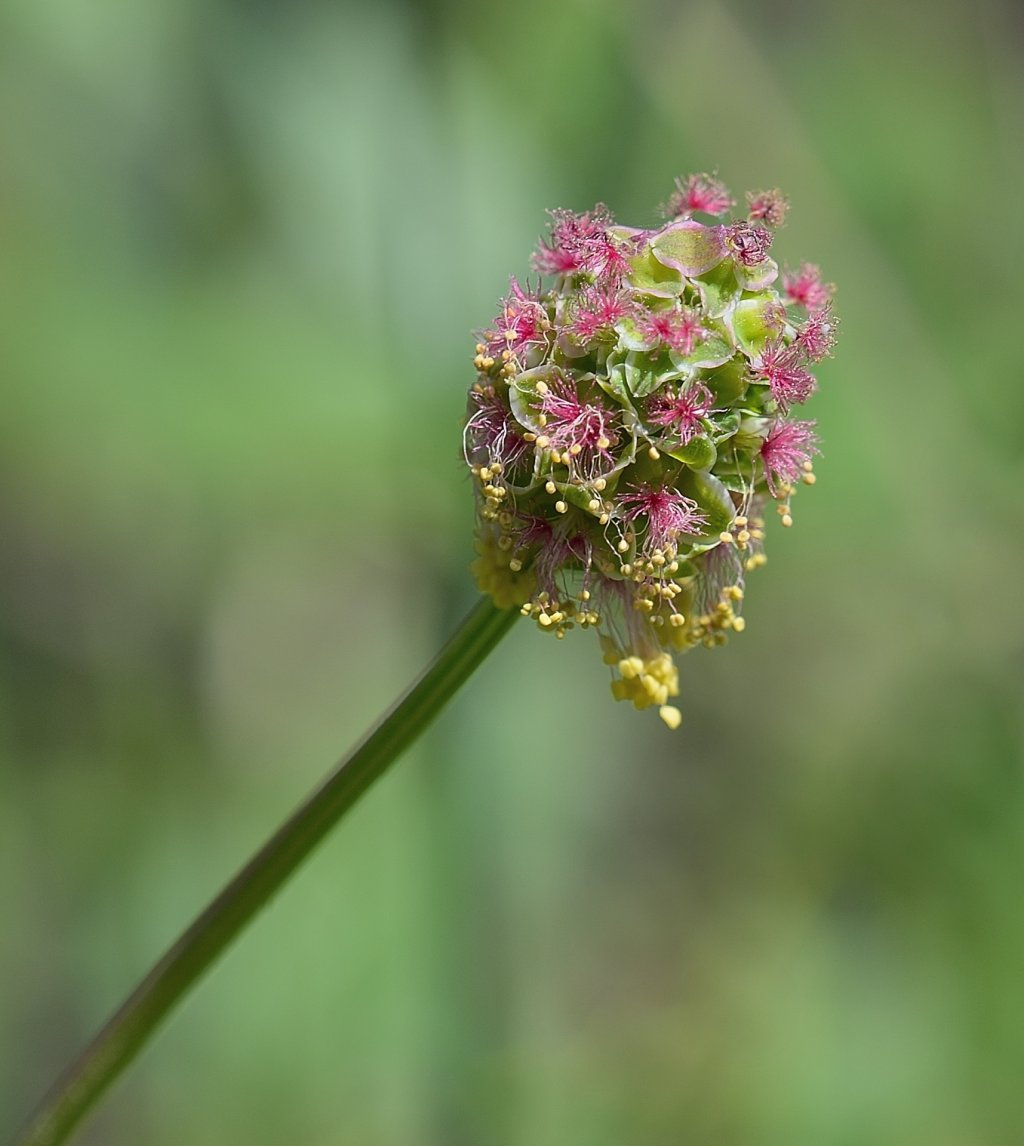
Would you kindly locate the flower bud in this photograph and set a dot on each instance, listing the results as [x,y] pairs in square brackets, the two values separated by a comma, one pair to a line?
[630,421]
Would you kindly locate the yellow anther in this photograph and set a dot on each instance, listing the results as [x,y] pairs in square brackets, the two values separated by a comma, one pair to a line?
[622,546]
[544,619]
[600,484]
[584,594]
[515,565]
[653,454]
[626,570]
[561,506]
[743,536]
[677,620]
[670,715]
[543,441]
[593,505]
[603,443]
[739,624]
[542,388]
[741,521]
[726,537]
[787,520]
[575,449]
[551,487]
[809,478]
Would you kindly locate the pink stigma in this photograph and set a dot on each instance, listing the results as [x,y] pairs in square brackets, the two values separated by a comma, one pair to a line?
[786,451]
[806,289]
[680,330]
[782,368]
[683,413]
[748,243]
[699,193]
[767,207]
[667,511]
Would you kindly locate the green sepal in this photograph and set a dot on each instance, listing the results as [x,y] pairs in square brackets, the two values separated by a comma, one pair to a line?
[713,498]
[729,382]
[690,247]
[714,351]
[718,288]
[754,322]
[699,453]
[647,372]
[652,277]
[723,427]
[524,399]
[757,277]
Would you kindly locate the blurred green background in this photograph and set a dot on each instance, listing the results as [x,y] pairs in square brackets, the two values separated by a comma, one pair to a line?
[244,245]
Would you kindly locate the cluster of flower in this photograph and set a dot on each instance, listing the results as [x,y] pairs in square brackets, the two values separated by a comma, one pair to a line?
[629,424]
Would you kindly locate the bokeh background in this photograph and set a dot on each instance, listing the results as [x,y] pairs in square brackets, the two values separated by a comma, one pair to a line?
[243,248]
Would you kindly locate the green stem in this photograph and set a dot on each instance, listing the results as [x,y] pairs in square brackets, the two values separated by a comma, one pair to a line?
[131,1027]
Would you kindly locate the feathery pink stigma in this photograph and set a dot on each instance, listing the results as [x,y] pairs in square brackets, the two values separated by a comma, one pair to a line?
[492,432]
[781,366]
[668,513]
[818,334]
[805,288]
[786,451]
[699,193]
[581,431]
[599,310]
[681,330]
[767,207]
[682,413]
[748,243]
[522,322]
[582,244]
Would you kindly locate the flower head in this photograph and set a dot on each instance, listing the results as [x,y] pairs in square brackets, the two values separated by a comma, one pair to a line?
[629,423]
[681,412]
[698,193]
[664,512]
[767,207]
[805,288]
[786,452]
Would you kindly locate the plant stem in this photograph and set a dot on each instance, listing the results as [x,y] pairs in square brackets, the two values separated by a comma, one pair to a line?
[135,1022]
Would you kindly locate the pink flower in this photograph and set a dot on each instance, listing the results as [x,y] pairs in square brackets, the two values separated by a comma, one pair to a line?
[521,323]
[767,207]
[786,451]
[699,193]
[818,334]
[599,309]
[748,243]
[681,330]
[667,512]
[781,366]
[582,432]
[582,244]
[491,431]
[806,289]
[683,412]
